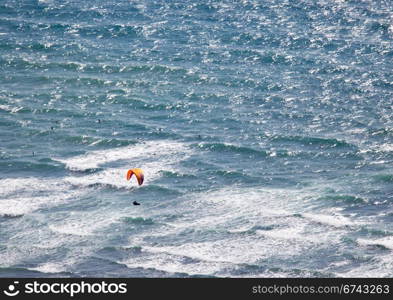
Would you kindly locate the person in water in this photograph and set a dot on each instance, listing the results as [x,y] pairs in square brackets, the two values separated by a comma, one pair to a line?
[136,203]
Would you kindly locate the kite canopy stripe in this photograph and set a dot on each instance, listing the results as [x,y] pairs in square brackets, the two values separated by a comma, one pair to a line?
[138,174]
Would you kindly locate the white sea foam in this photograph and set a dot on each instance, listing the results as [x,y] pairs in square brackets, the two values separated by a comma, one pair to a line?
[233,211]
[19,196]
[378,267]
[386,242]
[334,220]
[172,263]
[138,153]
[11,109]
[49,268]
[20,206]
[386,147]
[11,186]
[81,225]
[294,233]
[238,211]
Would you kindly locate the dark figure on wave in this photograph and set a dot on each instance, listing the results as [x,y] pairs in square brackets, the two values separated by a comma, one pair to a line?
[136,203]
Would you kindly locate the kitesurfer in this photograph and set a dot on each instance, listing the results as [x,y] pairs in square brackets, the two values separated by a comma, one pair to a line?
[139,176]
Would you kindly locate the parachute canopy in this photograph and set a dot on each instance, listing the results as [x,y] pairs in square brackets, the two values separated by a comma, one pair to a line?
[138,174]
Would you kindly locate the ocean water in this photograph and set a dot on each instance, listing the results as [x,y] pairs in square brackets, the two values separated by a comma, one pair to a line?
[264,128]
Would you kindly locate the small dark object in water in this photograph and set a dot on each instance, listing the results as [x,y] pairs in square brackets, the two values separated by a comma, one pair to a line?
[136,203]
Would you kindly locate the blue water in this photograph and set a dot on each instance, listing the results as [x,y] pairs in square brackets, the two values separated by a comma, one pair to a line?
[265,130]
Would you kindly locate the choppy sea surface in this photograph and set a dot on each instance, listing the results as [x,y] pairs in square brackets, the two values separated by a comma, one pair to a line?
[265,130]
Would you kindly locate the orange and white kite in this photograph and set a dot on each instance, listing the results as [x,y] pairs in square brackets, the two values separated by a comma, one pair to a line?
[138,174]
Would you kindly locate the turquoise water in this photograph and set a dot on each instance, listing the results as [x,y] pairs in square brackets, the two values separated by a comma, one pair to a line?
[264,129]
